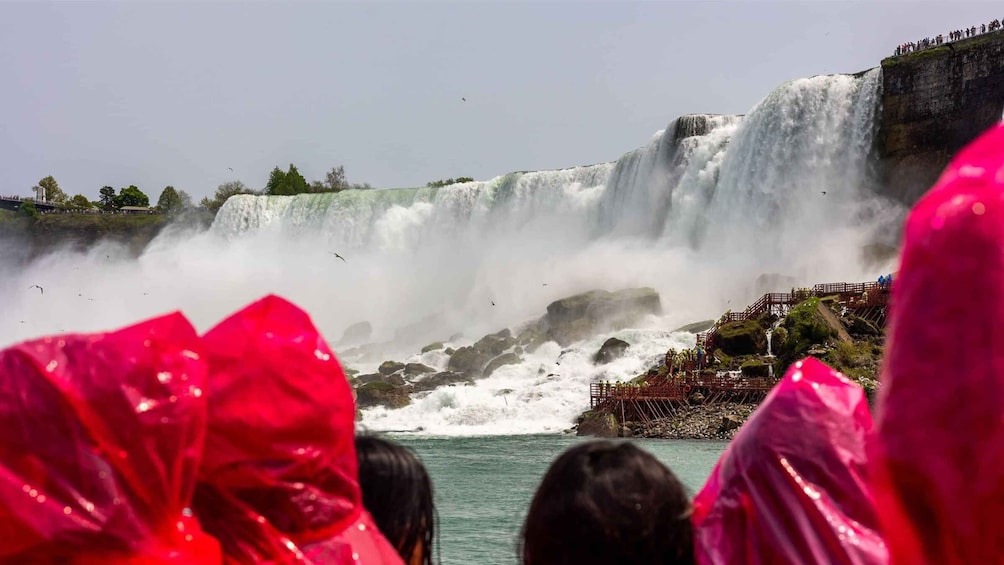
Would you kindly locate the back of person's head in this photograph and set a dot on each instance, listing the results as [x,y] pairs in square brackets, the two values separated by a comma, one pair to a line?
[604,502]
[397,492]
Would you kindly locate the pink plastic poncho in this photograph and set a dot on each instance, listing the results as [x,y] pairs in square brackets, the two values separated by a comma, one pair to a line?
[938,455]
[100,441]
[792,486]
[280,477]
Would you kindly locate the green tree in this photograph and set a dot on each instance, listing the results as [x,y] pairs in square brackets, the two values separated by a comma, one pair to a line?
[27,209]
[169,201]
[286,183]
[80,202]
[186,200]
[223,192]
[297,184]
[334,179]
[52,191]
[276,182]
[131,196]
[107,198]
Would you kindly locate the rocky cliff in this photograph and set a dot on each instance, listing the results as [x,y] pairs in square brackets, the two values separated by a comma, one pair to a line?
[934,102]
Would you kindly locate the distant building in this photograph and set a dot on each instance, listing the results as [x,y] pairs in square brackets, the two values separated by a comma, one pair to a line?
[136,210]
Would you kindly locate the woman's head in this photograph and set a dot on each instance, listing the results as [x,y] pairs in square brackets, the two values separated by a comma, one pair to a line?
[398,493]
[606,502]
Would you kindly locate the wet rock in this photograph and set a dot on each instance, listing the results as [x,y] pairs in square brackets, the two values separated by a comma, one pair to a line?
[581,316]
[356,334]
[502,360]
[532,338]
[446,378]
[729,423]
[432,347]
[598,424]
[449,351]
[469,361]
[755,368]
[369,378]
[413,369]
[696,327]
[611,349]
[742,338]
[390,367]
[496,343]
[395,380]
[382,394]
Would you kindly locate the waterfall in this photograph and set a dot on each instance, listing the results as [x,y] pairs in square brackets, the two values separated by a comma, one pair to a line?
[706,206]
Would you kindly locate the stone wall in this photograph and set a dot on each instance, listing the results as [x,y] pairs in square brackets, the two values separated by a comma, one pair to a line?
[934,102]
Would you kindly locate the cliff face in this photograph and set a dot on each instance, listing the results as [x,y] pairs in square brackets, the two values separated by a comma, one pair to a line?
[934,102]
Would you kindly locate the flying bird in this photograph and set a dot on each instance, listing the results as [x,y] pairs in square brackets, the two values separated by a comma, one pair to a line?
[40,289]
[464,99]
[338,256]
[493,303]
[231,169]
[824,193]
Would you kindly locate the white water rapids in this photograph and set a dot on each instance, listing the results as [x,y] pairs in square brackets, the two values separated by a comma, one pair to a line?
[710,204]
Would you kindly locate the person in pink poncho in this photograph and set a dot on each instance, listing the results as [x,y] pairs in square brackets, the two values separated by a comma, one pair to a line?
[793,486]
[102,436]
[938,454]
[279,480]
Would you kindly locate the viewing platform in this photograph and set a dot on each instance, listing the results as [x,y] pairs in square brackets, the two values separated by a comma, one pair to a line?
[660,396]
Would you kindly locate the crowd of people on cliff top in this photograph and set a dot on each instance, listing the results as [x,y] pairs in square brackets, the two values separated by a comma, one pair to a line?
[941,39]
[154,445]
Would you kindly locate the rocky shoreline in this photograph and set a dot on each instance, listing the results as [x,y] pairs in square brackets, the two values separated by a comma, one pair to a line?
[705,421]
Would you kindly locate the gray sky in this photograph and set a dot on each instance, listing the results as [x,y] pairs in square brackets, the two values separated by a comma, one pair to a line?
[153,94]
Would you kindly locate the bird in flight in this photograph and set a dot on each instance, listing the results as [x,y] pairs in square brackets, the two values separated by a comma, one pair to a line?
[40,289]
[464,99]
[231,169]
[824,193]
[337,255]
[493,303]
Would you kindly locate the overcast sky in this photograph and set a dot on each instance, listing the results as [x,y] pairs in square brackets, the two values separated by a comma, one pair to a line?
[177,93]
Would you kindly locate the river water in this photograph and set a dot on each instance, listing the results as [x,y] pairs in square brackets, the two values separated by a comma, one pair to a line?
[484,485]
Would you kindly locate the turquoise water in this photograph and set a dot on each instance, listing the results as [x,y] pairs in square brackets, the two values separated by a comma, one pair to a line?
[484,485]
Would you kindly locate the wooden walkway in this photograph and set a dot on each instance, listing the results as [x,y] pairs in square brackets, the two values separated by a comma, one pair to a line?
[661,397]
[865,300]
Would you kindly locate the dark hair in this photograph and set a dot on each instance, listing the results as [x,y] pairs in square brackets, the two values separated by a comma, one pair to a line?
[397,491]
[604,502]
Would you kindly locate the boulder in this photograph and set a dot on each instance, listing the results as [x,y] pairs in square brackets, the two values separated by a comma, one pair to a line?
[496,343]
[611,349]
[696,327]
[395,380]
[742,338]
[531,338]
[369,378]
[390,367]
[729,423]
[432,347]
[469,361]
[598,424]
[504,359]
[412,369]
[862,327]
[755,368]
[583,315]
[356,333]
[446,378]
[381,394]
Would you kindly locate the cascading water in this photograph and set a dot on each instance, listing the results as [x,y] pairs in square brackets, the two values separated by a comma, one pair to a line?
[711,203]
